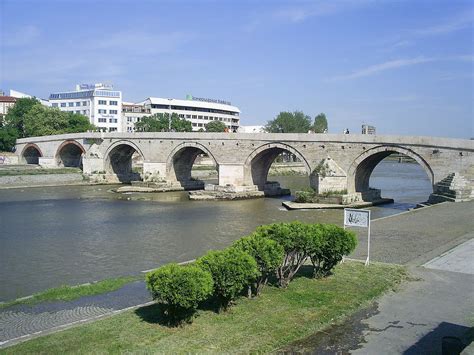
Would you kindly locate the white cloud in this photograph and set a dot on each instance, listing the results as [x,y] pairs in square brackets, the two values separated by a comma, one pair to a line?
[459,22]
[378,68]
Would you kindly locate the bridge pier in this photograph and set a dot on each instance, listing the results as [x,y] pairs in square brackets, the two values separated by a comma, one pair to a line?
[47,162]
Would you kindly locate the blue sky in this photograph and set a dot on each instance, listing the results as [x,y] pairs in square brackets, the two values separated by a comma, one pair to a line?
[404,66]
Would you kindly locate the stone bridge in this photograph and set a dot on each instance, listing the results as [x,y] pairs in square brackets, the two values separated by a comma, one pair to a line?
[332,161]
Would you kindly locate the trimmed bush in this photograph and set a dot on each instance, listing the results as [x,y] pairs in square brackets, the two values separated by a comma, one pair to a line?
[296,242]
[179,289]
[330,244]
[232,270]
[267,253]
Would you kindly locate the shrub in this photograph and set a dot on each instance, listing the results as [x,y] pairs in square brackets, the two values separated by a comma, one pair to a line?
[296,242]
[330,244]
[267,253]
[179,289]
[232,270]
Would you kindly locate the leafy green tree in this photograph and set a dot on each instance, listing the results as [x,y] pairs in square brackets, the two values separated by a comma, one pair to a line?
[16,115]
[331,243]
[320,123]
[216,126]
[295,240]
[8,137]
[232,271]
[289,122]
[179,289]
[159,122]
[267,253]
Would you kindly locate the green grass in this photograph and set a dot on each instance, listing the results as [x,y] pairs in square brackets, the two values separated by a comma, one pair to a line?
[275,319]
[38,171]
[69,293]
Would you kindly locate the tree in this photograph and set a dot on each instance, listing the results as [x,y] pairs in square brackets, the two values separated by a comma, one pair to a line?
[289,122]
[295,240]
[179,289]
[216,126]
[232,270]
[320,124]
[16,114]
[159,122]
[333,243]
[41,121]
[267,253]
[8,136]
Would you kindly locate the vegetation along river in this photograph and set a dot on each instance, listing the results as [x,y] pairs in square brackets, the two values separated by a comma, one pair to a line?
[71,235]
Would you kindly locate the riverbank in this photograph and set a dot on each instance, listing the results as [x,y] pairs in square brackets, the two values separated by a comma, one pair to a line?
[23,176]
[264,324]
[290,205]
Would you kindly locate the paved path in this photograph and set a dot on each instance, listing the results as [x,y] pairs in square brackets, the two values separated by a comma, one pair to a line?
[19,321]
[458,259]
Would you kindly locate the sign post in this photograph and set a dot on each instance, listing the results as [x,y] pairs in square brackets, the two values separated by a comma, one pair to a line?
[359,218]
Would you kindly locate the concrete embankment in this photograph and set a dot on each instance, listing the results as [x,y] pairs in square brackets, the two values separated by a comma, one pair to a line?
[16,181]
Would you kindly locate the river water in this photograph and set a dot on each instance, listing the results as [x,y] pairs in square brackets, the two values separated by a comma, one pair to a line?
[71,235]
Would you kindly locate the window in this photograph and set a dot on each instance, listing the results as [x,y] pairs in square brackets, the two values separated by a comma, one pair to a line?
[181,115]
[113,103]
[78,111]
[70,104]
[78,103]
[206,117]
[54,104]
[199,124]
[102,119]
[129,119]
[102,102]
[102,111]
[112,120]
[188,116]
[194,124]
[113,112]
[194,116]
[112,129]
[63,104]
[200,117]
[84,103]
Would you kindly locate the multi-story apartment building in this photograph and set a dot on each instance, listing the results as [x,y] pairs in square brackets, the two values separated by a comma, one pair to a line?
[131,114]
[197,110]
[99,102]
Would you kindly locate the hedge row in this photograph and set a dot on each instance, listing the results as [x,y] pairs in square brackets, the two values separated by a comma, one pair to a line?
[278,249]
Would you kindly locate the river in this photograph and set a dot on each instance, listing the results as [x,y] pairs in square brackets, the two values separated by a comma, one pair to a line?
[71,235]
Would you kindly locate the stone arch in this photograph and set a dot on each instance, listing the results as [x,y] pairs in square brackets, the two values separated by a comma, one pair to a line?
[69,154]
[180,162]
[118,160]
[359,172]
[259,161]
[31,154]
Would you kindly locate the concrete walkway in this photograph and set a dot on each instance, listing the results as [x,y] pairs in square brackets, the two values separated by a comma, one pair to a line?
[22,322]
[458,259]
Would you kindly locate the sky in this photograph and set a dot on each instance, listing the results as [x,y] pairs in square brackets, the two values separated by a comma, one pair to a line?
[406,67]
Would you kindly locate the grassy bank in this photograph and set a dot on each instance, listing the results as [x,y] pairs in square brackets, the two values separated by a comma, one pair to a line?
[38,171]
[69,293]
[269,322]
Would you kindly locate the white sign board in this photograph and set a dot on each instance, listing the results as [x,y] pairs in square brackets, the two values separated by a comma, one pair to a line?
[359,218]
[356,218]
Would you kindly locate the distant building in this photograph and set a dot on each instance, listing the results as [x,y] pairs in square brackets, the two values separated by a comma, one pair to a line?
[21,95]
[251,129]
[5,103]
[99,102]
[366,129]
[131,114]
[198,111]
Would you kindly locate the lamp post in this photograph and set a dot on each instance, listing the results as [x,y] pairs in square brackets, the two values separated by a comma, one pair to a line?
[169,118]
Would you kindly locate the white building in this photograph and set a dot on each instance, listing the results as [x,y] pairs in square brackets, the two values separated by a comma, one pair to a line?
[21,95]
[197,110]
[99,102]
[252,129]
[131,114]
